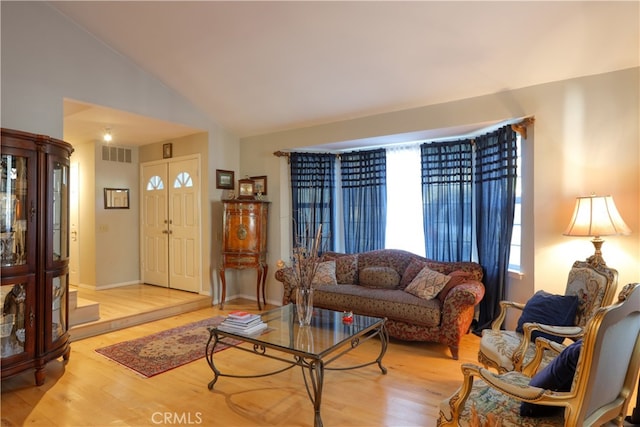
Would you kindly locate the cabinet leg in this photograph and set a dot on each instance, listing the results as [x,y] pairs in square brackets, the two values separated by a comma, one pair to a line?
[40,374]
[223,285]
[264,281]
[260,271]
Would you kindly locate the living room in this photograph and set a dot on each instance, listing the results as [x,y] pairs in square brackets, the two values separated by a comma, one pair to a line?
[585,137]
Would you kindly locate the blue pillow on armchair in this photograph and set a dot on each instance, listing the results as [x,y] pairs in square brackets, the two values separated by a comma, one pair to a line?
[549,309]
[556,376]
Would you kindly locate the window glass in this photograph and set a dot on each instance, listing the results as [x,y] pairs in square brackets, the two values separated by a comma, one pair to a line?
[155,183]
[183,180]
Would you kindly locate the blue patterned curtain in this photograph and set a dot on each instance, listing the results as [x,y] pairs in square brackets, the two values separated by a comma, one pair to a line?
[364,193]
[495,188]
[312,190]
[447,200]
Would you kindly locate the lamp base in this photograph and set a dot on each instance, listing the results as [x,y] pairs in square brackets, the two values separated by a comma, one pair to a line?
[596,259]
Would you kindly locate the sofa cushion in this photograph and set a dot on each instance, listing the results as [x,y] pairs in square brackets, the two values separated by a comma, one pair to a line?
[427,283]
[325,274]
[390,303]
[379,277]
[548,309]
[457,278]
[412,270]
[346,266]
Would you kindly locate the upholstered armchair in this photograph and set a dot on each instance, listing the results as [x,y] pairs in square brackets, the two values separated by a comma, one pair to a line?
[589,287]
[589,384]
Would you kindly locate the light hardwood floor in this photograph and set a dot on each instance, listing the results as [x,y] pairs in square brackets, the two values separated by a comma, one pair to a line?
[91,390]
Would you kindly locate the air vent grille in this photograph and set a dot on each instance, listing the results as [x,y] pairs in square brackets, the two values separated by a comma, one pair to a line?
[116,154]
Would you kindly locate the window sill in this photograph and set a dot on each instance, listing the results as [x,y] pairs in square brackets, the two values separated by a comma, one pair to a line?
[516,275]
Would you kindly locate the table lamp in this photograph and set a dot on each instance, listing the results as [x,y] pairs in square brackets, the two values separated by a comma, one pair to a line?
[596,216]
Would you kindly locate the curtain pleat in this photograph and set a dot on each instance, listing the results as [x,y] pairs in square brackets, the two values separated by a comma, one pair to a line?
[447,200]
[495,189]
[364,194]
[312,204]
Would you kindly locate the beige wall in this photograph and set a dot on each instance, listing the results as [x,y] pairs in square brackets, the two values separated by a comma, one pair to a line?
[585,139]
[46,59]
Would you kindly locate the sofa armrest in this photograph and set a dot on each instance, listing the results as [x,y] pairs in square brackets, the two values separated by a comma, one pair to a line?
[285,275]
[459,307]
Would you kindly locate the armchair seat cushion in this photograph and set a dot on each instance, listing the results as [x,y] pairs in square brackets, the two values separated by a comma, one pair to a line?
[506,409]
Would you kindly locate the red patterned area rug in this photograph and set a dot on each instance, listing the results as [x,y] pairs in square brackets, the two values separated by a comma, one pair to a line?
[163,351]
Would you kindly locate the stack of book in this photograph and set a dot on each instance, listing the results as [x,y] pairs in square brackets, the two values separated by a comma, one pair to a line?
[242,322]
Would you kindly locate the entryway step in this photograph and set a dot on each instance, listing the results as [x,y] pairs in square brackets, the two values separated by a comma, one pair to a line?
[82,310]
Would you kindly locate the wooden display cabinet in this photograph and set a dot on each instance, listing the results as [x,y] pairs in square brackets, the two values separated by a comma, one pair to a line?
[244,242]
[34,251]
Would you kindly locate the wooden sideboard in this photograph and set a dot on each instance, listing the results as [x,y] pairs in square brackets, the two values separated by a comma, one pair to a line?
[244,242]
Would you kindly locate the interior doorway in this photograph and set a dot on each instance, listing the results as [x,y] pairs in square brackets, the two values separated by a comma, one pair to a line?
[170,223]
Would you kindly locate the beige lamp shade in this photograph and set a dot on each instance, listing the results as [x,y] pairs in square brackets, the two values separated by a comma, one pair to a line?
[596,216]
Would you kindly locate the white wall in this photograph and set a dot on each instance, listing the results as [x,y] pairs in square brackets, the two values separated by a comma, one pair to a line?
[585,139]
[116,230]
[46,58]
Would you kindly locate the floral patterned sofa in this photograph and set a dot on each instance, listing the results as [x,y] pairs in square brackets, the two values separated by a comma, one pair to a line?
[382,283]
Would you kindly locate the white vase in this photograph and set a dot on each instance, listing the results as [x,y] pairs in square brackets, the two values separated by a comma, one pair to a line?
[304,305]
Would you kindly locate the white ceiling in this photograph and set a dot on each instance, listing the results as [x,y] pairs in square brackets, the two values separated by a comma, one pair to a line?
[260,67]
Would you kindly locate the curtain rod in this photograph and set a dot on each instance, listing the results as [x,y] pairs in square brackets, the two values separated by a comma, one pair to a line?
[519,127]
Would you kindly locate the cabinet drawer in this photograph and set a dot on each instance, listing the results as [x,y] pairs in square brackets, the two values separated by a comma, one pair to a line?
[241,260]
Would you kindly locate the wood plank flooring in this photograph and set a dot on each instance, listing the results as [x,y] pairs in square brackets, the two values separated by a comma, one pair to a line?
[131,305]
[91,390]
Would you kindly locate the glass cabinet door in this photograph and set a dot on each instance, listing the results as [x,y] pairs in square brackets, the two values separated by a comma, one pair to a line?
[17,319]
[60,210]
[13,209]
[59,306]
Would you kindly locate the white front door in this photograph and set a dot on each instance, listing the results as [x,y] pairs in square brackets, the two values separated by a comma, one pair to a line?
[171,226]
[184,225]
[155,225]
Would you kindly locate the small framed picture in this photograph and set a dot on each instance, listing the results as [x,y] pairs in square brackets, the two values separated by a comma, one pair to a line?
[259,185]
[245,189]
[225,179]
[167,150]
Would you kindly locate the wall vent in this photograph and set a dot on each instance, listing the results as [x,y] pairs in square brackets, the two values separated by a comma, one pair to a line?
[116,154]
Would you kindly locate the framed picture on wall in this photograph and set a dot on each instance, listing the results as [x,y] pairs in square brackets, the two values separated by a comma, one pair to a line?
[167,150]
[259,185]
[225,179]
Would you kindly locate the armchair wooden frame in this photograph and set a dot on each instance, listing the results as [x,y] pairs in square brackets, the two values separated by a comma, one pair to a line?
[518,347]
[605,378]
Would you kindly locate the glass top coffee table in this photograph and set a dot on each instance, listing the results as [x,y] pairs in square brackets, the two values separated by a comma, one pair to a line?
[314,348]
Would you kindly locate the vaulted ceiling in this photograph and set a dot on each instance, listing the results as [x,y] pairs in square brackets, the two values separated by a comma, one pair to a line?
[260,67]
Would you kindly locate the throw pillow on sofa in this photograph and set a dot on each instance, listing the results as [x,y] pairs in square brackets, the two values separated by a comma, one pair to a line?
[379,277]
[325,274]
[346,267]
[427,284]
[412,270]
